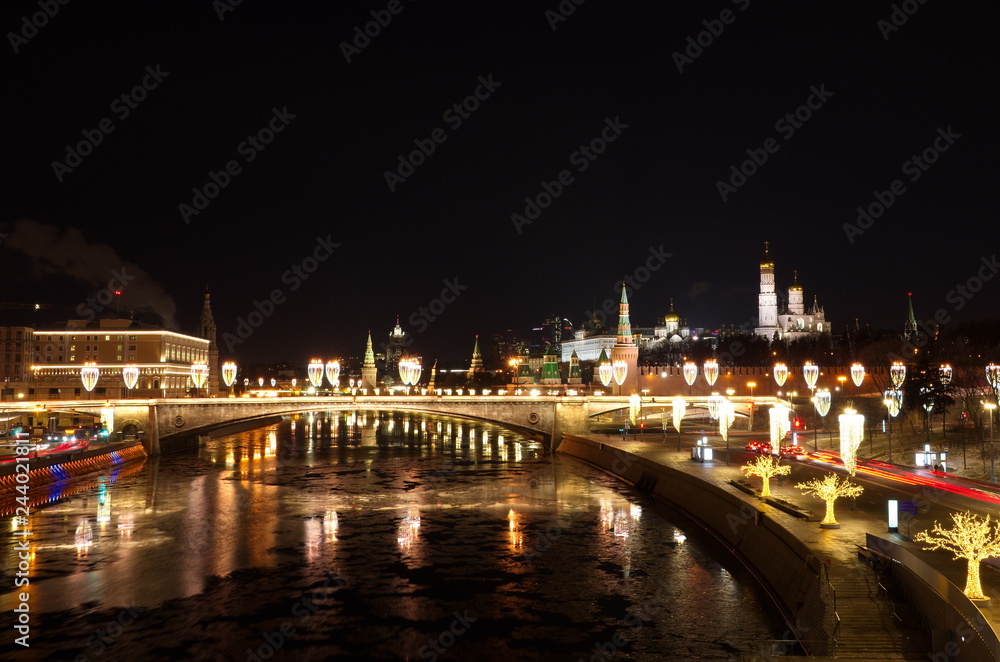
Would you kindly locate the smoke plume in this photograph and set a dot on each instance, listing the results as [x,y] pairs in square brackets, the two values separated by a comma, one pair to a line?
[66,252]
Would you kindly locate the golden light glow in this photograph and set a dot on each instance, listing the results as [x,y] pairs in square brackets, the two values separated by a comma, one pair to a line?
[765,467]
[780,373]
[690,372]
[711,371]
[811,373]
[852,433]
[679,406]
[829,490]
[857,374]
[971,538]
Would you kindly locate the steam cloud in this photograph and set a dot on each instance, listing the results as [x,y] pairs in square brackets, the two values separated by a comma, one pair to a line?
[66,252]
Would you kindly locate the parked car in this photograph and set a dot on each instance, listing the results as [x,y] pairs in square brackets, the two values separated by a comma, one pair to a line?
[759,447]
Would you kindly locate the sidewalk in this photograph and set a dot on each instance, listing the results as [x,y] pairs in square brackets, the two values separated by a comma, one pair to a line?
[867,619]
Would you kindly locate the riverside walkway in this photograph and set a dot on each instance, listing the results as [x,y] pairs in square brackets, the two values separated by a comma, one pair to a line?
[875,622]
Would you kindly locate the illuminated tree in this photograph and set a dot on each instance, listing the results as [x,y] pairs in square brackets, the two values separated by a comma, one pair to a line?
[765,467]
[971,538]
[829,490]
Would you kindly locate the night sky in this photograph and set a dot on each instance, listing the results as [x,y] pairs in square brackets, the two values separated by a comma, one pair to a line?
[680,116]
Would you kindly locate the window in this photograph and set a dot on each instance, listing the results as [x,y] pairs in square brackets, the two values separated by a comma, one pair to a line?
[119,357]
[131,348]
[72,348]
[131,338]
[107,337]
[121,337]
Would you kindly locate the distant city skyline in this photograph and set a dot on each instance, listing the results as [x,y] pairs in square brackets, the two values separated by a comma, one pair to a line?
[472,172]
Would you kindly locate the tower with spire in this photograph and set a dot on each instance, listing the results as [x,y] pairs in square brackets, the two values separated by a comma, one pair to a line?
[795,321]
[206,329]
[369,372]
[767,300]
[575,374]
[477,361]
[625,348]
[910,327]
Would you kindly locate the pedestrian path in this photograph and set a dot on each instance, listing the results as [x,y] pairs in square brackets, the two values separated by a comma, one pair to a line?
[874,624]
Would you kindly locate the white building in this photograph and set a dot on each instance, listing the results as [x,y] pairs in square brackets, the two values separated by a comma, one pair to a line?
[794,321]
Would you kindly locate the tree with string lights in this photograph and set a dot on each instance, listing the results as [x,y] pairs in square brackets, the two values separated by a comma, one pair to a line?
[972,538]
[766,467]
[829,490]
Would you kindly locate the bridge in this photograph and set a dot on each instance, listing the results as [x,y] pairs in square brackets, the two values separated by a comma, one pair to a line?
[168,424]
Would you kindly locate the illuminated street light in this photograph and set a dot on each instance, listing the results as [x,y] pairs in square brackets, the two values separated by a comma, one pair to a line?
[898,374]
[315,372]
[751,386]
[606,372]
[779,426]
[711,371]
[780,373]
[714,402]
[199,375]
[679,406]
[993,376]
[822,402]
[89,374]
[852,433]
[690,371]
[858,374]
[893,401]
[811,373]
[620,369]
[229,374]
[332,373]
[130,374]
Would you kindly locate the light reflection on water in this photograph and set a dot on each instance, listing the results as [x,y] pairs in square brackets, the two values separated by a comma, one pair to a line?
[424,516]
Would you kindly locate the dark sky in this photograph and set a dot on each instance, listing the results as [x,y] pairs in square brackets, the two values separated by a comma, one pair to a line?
[885,94]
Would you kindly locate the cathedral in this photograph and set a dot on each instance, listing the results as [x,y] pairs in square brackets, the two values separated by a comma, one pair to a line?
[793,322]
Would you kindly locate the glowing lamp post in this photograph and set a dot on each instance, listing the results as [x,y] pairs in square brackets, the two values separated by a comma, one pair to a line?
[606,372]
[690,374]
[714,402]
[711,371]
[229,375]
[811,373]
[751,386]
[678,411]
[620,372]
[897,372]
[945,374]
[779,426]
[199,375]
[315,373]
[332,373]
[852,433]
[130,374]
[893,402]
[727,415]
[88,375]
[822,401]
[857,374]
[780,374]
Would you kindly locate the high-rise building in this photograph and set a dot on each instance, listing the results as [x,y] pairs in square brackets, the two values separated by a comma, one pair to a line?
[395,349]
